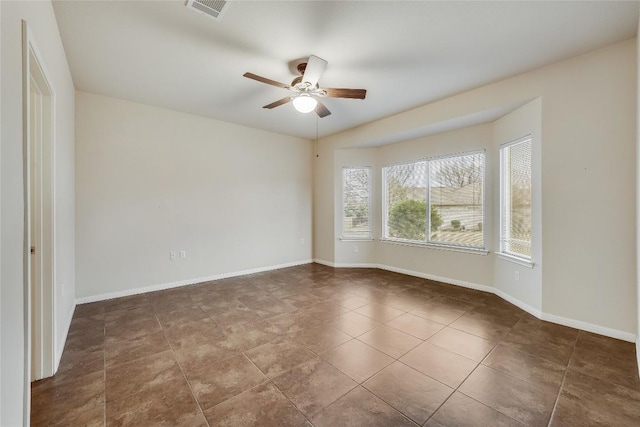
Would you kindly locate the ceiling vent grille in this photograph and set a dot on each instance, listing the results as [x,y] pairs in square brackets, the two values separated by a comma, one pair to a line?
[211,8]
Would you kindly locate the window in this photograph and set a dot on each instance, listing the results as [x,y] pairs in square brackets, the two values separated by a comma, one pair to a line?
[356,212]
[455,195]
[515,198]
[436,201]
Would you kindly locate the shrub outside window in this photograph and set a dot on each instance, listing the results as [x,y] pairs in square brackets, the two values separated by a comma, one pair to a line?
[450,189]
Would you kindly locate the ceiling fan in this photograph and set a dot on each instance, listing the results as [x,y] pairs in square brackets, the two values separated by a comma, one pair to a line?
[306,90]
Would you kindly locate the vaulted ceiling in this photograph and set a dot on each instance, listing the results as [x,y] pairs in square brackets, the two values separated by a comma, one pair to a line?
[405,53]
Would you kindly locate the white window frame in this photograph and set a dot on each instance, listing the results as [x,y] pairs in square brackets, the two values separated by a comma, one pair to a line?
[427,243]
[504,213]
[344,236]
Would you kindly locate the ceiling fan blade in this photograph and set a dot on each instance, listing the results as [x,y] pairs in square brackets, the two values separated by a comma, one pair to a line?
[265,80]
[345,93]
[278,102]
[322,110]
[315,68]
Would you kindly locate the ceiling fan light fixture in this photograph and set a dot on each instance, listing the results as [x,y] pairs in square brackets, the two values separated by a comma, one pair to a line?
[304,103]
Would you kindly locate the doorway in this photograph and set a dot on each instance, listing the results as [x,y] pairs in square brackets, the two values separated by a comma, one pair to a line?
[38,116]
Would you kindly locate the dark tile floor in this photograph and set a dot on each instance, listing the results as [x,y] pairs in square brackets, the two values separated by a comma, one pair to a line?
[312,345]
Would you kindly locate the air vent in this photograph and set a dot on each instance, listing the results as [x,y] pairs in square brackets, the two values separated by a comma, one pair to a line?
[211,8]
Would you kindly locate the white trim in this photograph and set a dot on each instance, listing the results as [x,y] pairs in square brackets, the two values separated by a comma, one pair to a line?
[515,259]
[356,265]
[323,262]
[468,250]
[447,280]
[60,346]
[177,284]
[589,327]
[638,351]
[515,301]
[369,198]
[577,324]
[356,239]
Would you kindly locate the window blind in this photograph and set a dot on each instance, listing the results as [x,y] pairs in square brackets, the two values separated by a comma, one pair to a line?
[515,227]
[356,190]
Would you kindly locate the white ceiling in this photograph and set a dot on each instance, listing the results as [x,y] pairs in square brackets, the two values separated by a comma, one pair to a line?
[405,54]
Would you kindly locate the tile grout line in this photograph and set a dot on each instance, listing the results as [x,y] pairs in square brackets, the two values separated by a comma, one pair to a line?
[184,375]
[270,381]
[564,377]
[104,365]
[457,389]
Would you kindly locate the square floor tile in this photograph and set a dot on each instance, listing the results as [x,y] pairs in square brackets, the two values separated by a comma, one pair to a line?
[141,375]
[462,343]
[439,363]
[360,408]
[195,354]
[378,312]
[263,406]
[250,335]
[216,383]
[314,385]
[606,367]
[181,316]
[414,394]
[432,310]
[294,322]
[326,310]
[390,341]
[320,337]
[78,398]
[198,331]
[123,350]
[351,301]
[277,357]
[585,400]
[172,405]
[481,328]
[353,323]
[462,411]
[511,396]
[357,360]
[415,325]
[526,366]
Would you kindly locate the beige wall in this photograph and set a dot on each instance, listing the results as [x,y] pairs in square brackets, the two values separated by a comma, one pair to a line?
[466,267]
[151,180]
[42,23]
[587,150]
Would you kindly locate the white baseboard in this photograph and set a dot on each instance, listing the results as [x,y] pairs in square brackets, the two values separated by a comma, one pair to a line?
[577,324]
[356,265]
[589,327]
[515,301]
[61,342]
[323,262]
[442,279]
[638,353]
[179,283]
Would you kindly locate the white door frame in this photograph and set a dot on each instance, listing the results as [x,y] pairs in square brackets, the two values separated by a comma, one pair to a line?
[38,146]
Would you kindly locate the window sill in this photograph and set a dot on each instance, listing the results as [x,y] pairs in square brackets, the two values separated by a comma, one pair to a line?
[515,260]
[356,239]
[475,251]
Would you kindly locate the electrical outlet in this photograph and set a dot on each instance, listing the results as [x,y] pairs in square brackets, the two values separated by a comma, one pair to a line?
[172,255]
[355,248]
[302,241]
[183,254]
[517,275]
